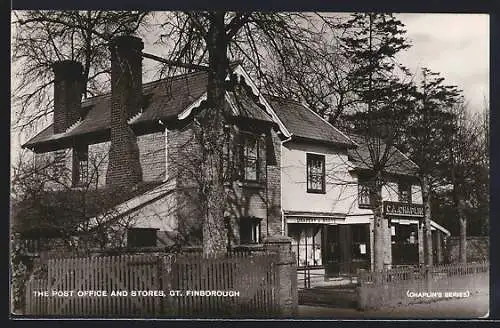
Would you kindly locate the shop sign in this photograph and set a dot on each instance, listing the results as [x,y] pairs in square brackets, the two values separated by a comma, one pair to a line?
[311,220]
[403,209]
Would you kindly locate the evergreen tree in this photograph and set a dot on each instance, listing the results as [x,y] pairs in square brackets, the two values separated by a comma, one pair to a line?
[426,141]
[370,43]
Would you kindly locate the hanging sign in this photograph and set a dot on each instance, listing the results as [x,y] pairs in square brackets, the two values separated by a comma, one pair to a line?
[403,209]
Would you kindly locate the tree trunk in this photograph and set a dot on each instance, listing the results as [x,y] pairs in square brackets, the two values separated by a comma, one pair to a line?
[426,197]
[212,122]
[462,248]
[379,228]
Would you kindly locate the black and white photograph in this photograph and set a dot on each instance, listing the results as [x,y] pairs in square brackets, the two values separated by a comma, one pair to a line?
[249,165]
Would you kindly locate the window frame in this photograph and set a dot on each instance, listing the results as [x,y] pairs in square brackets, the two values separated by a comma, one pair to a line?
[80,155]
[322,158]
[364,187]
[254,224]
[260,158]
[404,186]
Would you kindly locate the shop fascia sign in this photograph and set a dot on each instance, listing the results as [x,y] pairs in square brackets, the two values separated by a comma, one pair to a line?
[323,220]
[403,209]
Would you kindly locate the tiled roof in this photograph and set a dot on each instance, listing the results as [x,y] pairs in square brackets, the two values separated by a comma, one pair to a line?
[246,105]
[397,162]
[304,123]
[165,98]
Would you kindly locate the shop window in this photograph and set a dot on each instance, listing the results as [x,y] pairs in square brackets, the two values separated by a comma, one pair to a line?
[249,231]
[404,192]
[80,165]
[306,244]
[315,173]
[360,241]
[141,237]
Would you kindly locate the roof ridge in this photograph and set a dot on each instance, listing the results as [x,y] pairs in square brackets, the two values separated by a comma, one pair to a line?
[330,124]
[147,84]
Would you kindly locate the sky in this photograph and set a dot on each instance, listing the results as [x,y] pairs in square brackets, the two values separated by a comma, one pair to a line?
[456,45]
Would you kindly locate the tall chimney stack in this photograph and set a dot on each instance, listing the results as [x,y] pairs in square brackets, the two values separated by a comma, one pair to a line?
[124,167]
[67,93]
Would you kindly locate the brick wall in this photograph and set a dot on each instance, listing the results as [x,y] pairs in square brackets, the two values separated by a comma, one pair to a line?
[67,94]
[246,200]
[152,156]
[124,169]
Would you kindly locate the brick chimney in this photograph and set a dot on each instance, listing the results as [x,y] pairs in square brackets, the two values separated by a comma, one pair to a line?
[67,93]
[124,167]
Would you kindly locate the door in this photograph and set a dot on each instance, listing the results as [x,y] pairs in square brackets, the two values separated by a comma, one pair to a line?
[332,250]
[345,243]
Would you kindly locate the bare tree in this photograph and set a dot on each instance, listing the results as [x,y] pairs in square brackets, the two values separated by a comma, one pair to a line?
[41,38]
[215,38]
[469,163]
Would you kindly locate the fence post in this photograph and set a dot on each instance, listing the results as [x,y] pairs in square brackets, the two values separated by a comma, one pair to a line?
[287,272]
[361,290]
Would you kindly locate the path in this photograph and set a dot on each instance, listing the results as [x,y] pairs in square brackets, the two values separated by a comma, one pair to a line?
[472,307]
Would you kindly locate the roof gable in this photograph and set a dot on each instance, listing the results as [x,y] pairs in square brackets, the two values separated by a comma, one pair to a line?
[305,124]
[397,162]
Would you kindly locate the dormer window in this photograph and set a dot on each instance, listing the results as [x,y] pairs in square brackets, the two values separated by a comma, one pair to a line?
[80,165]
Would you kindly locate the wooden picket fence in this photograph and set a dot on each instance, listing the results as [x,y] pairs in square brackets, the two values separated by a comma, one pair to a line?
[436,272]
[395,286]
[245,283]
[251,282]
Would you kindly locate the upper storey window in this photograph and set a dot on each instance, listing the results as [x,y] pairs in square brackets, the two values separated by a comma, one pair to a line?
[80,165]
[404,192]
[315,173]
[253,157]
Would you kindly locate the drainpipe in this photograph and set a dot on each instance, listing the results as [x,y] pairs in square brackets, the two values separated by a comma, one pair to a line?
[283,223]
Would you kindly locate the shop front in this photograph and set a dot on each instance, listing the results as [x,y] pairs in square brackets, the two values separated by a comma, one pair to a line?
[406,222]
[330,244]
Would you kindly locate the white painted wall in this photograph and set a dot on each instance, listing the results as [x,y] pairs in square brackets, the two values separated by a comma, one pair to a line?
[341,185]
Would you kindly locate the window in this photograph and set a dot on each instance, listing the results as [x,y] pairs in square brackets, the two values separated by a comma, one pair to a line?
[404,192]
[141,237]
[249,231]
[306,243]
[253,157]
[80,165]
[315,173]
[360,241]
[365,194]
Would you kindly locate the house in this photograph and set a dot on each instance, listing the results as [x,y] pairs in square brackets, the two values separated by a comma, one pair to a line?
[327,204]
[143,133]
[288,171]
